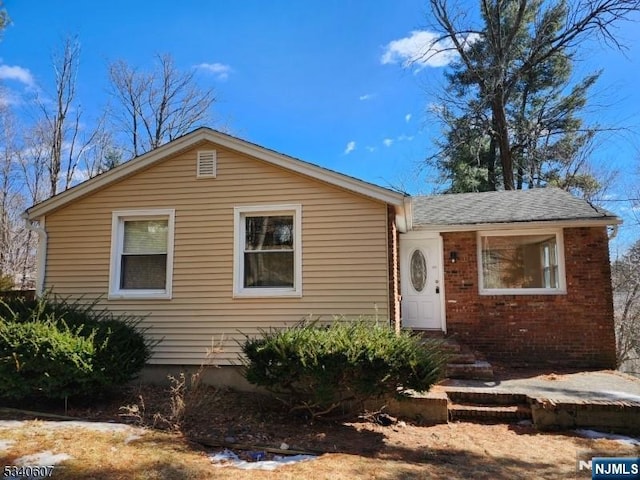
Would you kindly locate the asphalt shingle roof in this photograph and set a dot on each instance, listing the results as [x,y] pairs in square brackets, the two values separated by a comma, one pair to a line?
[535,205]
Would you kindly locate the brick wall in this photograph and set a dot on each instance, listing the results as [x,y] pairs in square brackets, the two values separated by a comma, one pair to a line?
[574,330]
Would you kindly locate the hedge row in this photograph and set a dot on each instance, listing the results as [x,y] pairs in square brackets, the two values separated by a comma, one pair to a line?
[54,348]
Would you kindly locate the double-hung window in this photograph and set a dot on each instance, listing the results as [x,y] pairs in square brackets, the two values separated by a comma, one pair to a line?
[268,251]
[141,253]
[521,262]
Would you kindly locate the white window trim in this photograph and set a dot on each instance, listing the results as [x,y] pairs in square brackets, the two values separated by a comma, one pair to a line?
[239,291]
[117,239]
[562,281]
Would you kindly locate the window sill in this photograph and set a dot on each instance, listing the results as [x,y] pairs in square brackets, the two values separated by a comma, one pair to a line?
[267,293]
[139,295]
[523,291]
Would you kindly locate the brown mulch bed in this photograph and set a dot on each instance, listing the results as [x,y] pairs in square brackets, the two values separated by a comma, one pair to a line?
[223,416]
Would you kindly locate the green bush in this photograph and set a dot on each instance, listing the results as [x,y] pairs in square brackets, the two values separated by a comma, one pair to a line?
[53,348]
[320,368]
[43,358]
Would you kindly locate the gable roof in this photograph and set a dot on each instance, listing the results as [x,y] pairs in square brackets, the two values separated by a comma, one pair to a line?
[506,207]
[204,134]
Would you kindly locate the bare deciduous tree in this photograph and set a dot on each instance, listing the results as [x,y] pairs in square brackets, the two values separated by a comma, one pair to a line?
[56,111]
[158,106]
[70,145]
[626,286]
[14,240]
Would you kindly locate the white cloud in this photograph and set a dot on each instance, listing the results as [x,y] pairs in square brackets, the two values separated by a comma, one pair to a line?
[371,149]
[405,138]
[407,117]
[387,142]
[220,70]
[351,146]
[9,97]
[421,49]
[19,74]
[367,96]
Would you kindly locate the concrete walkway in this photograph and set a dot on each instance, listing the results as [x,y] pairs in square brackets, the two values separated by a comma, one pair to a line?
[604,386]
[606,400]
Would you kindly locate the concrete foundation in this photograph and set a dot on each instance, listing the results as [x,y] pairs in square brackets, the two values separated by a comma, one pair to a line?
[619,418]
[425,407]
[228,376]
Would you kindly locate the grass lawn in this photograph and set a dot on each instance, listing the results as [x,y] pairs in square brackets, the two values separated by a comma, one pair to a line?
[459,450]
[354,449]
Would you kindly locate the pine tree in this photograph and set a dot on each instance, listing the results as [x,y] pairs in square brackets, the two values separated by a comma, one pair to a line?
[512,111]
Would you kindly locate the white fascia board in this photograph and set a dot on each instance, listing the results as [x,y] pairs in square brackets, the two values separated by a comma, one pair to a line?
[519,225]
[236,144]
[309,170]
[115,175]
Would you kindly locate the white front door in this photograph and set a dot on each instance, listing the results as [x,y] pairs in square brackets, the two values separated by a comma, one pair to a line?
[422,289]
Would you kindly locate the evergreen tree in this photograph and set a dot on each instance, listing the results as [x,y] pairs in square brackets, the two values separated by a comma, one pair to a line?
[512,109]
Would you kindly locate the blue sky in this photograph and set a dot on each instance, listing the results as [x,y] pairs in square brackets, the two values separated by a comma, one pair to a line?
[323,81]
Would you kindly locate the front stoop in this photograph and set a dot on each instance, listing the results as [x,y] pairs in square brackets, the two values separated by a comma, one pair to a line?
[489,413]
[485,407]
[463,363]
[476,370]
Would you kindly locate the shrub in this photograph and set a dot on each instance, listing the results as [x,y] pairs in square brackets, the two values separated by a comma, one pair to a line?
[6,282]
[44,358]
[54,348]
[320,368]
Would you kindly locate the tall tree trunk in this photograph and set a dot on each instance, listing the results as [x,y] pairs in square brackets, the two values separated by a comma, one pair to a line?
[502,133]
[519,177]
[491,165]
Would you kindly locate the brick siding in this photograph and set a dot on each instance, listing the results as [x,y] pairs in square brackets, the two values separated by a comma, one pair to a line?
[572,330]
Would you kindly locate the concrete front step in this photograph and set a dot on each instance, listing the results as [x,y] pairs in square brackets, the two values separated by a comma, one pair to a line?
[486,398]
[462,358]
[479,370]
[489,413]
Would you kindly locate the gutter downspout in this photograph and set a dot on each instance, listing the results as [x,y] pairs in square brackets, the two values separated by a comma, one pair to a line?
[403,216]
[41,259]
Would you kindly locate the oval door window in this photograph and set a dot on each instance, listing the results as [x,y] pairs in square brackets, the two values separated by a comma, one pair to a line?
[418,271]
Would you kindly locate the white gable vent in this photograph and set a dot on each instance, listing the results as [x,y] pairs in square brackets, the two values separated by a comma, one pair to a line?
[206,164]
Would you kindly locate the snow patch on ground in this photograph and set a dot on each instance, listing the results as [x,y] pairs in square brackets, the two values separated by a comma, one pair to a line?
[11,424]
[608,436]
[53,425]
[5,444]
[39,465]
[227,458]
[41,458]
[132,438]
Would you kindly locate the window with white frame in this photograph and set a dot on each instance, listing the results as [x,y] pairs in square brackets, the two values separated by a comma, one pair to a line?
[521,262]
[141,253]
[268,251]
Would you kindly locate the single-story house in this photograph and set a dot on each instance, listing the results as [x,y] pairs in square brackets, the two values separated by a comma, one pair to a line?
[211,237]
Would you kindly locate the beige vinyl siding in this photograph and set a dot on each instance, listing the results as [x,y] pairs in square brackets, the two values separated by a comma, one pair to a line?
[344,252]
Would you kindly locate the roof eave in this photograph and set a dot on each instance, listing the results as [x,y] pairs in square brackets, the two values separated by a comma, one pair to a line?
[567,223]
[205,134]
[308,169]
